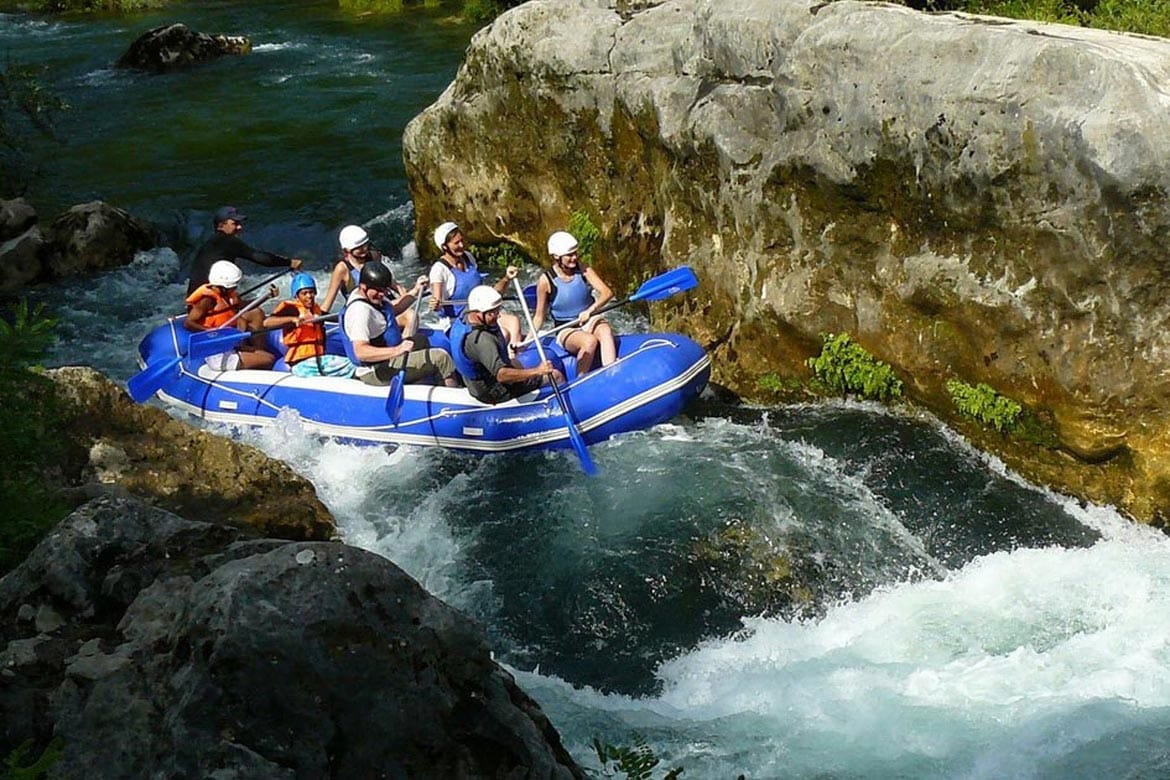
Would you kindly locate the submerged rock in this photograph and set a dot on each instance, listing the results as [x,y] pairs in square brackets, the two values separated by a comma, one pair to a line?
[970,198]
[173,648]
[176,46]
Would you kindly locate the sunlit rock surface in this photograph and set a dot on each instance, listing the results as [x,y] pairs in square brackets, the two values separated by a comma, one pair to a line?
[969,197]
[182,468]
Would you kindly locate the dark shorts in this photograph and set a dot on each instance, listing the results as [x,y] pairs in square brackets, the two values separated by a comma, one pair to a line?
[498,392]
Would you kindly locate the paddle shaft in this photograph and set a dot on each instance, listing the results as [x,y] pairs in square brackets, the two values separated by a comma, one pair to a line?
[248,308]
[574,435]
[213,342]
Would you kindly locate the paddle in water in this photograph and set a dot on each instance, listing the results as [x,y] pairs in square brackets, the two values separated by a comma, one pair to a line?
[575,437]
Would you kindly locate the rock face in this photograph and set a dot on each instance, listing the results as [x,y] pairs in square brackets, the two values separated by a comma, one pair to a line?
[970,198]
[181,468]
[94,236]
[152,645]
[176,46]
[89,237]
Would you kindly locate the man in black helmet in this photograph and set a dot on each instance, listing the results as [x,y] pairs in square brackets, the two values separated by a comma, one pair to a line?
[379,348]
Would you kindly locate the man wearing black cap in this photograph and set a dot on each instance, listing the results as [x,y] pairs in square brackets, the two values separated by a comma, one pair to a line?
[226,245]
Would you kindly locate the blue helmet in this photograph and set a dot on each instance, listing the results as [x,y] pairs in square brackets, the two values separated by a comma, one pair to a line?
[302,281]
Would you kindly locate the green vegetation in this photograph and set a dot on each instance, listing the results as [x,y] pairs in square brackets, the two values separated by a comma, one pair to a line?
[634,763]
[80,6]
[773,383]
[499,256]
[1151,17]
[15,768]
[27,114]
[846,368]
[586,233]
[30,431]
[983,404]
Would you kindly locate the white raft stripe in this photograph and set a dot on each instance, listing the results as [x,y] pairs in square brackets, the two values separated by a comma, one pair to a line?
[386,435]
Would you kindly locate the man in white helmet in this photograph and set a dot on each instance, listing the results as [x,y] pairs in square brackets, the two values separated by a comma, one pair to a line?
[216,304]
[226,244]
[480,350]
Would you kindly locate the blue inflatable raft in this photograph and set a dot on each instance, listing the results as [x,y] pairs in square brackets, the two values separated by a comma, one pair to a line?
[654,377]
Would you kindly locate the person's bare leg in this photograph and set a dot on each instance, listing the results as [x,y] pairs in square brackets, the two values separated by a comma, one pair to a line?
[584,346]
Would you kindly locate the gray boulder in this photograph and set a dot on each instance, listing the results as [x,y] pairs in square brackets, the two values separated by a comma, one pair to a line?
[92,237]
[176,46]
[969,198]
[16,217]
[20,260]
[155,646]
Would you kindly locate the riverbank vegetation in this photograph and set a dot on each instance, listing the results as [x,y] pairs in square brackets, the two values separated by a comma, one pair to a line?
[31,433]
[1150,17]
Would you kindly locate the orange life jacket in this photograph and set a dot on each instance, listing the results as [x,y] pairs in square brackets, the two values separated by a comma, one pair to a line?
[224,309]
[303,341]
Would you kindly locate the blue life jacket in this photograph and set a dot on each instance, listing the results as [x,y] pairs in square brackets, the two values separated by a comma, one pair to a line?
[391,336]
[465,282]
[468,368]
[570,298]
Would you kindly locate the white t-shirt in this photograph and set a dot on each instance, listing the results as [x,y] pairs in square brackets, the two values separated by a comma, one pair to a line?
[441,273]
[362,323]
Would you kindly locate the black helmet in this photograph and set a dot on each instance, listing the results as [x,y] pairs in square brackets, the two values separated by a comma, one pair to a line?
[376,274]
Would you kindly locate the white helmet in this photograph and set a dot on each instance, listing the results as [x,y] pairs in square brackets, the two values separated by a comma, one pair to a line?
[484,298]
[224,273]
[561,243]
[443,232]
[353,236]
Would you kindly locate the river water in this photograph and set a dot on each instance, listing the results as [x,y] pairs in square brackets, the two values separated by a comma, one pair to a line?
[828,591]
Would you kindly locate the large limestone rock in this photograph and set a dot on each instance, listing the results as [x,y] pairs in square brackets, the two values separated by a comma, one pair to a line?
[153,646]
[176,46]
[143,450]
[969,197]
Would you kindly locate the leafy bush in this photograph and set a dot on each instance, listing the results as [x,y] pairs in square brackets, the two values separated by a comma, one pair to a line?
[29,425]
[16,768]
[1151,17]
[848,369]
[983,404]
[635,763]
[81,6]
[586,233]
[499,256]
[775,384]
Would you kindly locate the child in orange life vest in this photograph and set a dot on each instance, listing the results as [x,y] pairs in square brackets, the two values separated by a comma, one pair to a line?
[215,304]
[306,340]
